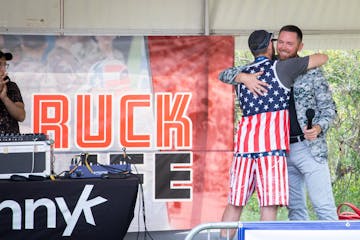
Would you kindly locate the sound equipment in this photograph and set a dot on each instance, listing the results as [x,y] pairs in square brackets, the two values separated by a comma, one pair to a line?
[86,166]
[100,171]
[25,155]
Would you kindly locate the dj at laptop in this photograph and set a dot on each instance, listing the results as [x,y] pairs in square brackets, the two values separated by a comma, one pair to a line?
[12,110]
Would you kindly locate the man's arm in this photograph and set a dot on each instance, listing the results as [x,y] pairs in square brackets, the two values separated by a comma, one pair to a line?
[316,60]
[229,74]
[234,76]
[288,70]
[15,109]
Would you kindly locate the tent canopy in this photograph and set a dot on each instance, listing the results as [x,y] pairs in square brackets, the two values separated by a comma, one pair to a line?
[326,23]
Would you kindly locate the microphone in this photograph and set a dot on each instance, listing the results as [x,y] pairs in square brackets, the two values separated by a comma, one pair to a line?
[310,113]
[124,151]
[124,154]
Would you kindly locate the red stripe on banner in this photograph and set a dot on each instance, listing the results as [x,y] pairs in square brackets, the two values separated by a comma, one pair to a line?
[192,64]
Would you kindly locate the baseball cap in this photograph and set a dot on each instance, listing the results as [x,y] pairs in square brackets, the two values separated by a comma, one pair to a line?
[8,56]
[259,40]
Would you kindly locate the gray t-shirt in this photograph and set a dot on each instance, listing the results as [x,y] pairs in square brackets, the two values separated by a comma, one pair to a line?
[288,70]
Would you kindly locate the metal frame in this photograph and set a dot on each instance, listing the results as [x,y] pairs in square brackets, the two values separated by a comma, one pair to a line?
[210,226]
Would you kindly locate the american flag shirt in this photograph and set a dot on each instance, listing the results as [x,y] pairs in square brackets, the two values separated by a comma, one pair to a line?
[264,125]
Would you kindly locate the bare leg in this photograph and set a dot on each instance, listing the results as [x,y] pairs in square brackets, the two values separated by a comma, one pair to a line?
[268,213]
[231,214]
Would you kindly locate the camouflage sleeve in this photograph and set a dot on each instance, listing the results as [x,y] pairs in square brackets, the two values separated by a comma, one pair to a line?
[325,102]
[229,75]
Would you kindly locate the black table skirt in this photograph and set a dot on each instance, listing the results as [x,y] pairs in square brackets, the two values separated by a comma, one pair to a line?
[75,208]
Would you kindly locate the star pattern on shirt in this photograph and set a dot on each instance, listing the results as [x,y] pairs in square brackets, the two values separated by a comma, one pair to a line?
[275,99]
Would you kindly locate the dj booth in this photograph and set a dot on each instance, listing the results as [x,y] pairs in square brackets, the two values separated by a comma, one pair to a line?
[67,208]
[82,205]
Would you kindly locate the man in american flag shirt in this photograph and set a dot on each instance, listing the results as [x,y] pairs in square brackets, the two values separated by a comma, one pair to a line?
[262,138]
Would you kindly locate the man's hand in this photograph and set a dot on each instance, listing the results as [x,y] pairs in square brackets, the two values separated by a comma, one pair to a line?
[3,88]
[312,133]
[252,82]
[3,92]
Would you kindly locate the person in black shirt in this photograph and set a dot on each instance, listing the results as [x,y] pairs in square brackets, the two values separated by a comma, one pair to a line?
[12,110]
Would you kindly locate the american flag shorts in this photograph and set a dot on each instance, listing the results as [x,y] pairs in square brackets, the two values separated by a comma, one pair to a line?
[266,172]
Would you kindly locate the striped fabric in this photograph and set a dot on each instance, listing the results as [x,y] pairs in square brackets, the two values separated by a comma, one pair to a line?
[263,132]
[264,125]
[267,174]
[262,141]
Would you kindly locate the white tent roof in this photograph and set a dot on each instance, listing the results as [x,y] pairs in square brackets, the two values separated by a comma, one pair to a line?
[326,23]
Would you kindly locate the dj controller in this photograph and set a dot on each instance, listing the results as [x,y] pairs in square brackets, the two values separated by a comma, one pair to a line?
[25,137]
